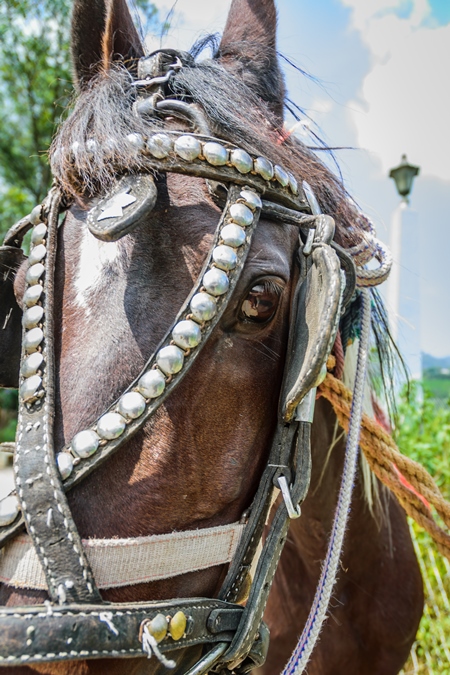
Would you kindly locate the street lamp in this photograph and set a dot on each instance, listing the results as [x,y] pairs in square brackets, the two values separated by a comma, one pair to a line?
[404,174]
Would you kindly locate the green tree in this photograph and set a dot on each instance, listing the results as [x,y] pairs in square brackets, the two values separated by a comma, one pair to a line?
[35,90]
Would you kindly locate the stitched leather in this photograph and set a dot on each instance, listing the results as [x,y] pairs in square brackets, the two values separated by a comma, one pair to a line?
[43,633]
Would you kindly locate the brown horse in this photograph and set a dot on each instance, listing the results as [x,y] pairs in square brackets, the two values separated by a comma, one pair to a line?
[197,462]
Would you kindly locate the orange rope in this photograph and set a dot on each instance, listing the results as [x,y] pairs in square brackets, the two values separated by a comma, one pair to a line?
[409,481]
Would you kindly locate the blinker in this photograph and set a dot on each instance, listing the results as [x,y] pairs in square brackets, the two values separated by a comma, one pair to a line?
[10,317]
[123,208]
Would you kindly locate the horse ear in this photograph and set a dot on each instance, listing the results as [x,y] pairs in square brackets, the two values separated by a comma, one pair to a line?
[249,49]
[102,32]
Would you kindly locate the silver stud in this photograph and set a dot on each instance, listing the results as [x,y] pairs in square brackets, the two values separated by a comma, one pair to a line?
[216,282]
[293,184]
[36,215]
[31,364]
[264,168]
[110,426]
[232,235]
[187,334]
[136,141]
[159,145]
[170,359]
[225,257]
[32,340]
[241,214]
[215,153]
[203,306]
[85,443]
[91,147]
[152,384]
[32,295]
[38,234]
[252,199]
[241,161]
[32,316]
[131,405]
[65,464]
[281,175]
[34,273]
[188,147]
[29,387]
[9,509]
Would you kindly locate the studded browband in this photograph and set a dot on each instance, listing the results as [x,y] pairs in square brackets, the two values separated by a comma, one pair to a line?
[97,629]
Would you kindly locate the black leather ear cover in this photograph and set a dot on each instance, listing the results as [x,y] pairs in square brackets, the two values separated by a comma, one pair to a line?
[10,317]
[313,327]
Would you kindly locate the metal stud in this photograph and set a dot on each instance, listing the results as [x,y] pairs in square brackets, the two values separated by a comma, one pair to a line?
[32,295]
[29,387]
[170,359]
[36,215]
[38,234]
[32,340]
[215,154]
[177,626]
[216,282]
[9,510]
[131,405]
[31,364]
[157,627]
[293,184]
[241,214]
[188,147]
[187,334]
[252,199]
[159,145]
[241,161]
[225,257]
[152,384]
[34,273]
[203,306]
[264,168]
[32,316]
[110,426]
[233,235]
[85,443]
[136,141]
[65,464]
[281,175]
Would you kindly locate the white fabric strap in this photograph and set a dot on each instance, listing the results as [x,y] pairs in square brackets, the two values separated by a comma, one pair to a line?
[125,562]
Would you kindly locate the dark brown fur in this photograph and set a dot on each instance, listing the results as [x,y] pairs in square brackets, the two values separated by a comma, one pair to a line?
[197,462]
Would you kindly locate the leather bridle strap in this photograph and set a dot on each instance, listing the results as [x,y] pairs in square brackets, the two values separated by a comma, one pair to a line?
[38,480]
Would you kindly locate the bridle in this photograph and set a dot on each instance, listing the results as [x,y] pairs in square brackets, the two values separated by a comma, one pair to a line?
[76,623]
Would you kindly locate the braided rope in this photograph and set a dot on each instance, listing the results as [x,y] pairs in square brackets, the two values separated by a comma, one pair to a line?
[413,486]
[317,615]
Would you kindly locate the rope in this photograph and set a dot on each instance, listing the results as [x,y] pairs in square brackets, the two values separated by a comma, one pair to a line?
[408,480]
[301,655]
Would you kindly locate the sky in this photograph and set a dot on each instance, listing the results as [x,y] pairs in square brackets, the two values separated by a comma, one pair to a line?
[381,74]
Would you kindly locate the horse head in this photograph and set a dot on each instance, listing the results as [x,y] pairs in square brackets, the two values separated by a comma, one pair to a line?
[210,296]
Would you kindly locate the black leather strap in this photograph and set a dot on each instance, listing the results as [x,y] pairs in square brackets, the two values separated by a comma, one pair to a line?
[39,487]
[46,633]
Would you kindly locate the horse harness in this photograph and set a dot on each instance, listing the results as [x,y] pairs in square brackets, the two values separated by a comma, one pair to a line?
[76,623]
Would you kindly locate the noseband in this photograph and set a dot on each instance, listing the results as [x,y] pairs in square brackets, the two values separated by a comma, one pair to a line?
[75,623]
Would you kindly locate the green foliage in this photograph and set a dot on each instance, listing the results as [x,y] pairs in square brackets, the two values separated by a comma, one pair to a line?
[423,433]
[35,90]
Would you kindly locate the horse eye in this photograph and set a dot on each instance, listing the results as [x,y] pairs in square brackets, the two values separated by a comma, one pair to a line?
[261,303]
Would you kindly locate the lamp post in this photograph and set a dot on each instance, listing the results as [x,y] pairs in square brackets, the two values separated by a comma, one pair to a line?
[403,292]
[403,175]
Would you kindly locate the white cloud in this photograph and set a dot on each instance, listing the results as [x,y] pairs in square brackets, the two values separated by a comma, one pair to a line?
[192,18]
[404,99]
